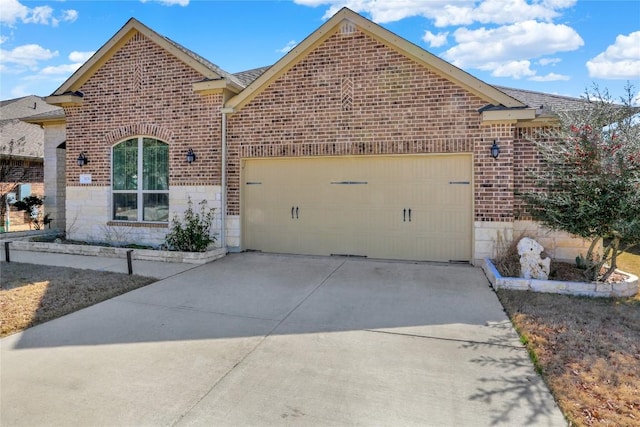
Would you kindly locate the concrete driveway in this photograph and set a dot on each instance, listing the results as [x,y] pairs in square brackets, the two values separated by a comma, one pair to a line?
[257,339]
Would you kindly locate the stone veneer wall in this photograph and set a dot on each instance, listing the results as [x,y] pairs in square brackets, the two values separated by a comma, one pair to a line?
[88,218]
[558,245]
[54,174]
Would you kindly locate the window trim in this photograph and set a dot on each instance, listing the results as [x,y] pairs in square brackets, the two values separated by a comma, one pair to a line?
[140,192]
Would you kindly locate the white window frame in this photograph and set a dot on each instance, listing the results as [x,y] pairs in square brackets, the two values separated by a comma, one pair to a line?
[139,191]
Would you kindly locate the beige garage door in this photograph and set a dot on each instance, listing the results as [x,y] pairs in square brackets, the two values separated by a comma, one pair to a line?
[393,207]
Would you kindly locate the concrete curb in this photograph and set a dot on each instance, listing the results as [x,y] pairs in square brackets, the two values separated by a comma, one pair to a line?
[112,252]
[626,288]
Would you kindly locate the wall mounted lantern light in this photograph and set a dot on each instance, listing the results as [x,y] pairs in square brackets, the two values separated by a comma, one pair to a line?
[82,159]
[495,150]
[191,156]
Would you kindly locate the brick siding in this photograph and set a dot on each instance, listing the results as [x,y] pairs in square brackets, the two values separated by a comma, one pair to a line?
[355,96]
[144,90]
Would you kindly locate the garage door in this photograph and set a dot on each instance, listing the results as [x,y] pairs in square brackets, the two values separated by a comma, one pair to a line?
[393,207]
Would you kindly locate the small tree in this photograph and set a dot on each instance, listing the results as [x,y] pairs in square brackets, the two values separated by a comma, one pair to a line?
[193,233]
[31,205]
[589,182]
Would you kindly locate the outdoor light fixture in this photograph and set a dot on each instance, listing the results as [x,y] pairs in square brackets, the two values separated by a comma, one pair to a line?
[191,156]
[82,159]
[495,150]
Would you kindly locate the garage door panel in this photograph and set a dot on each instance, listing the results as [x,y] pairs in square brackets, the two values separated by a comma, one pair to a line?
[360,206]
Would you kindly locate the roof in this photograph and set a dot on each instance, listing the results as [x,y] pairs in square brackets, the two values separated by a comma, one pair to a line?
[21,139]
[18,108]
[546,103]
[17,137]
[208,70]
[247,77]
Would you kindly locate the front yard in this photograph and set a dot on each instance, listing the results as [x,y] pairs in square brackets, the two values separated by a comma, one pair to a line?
[587,349]
[32,294]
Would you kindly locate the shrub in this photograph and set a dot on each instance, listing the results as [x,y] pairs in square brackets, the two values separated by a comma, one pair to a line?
[193,232]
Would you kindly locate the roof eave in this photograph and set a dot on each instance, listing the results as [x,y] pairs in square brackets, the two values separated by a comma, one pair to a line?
[216,86]
[65,99]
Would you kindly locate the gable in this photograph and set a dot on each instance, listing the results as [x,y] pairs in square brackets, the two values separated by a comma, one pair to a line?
[68,93]
[348,22]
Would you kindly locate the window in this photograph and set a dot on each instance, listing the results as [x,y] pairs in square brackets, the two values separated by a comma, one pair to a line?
[140,181]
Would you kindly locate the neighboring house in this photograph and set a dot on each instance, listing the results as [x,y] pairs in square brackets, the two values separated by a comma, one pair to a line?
[21,155]
[356,142]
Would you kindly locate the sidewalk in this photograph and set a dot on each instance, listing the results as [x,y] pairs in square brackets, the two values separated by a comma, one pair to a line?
[155,269]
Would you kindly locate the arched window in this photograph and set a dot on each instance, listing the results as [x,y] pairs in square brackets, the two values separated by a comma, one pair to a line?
[140,180]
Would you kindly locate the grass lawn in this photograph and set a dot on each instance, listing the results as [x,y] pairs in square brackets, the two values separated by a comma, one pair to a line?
[587,350]
[32,294]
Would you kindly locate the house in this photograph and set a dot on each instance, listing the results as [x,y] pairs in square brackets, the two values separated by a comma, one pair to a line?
[21,156]
[356,142]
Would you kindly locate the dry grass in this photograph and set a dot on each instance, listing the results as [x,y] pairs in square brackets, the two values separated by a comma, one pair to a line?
[33,294]
[587,349]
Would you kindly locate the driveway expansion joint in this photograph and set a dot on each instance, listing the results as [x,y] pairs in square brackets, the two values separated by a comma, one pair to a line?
[430,337]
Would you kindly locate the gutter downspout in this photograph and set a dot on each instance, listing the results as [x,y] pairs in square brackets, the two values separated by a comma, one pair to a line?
[223,190]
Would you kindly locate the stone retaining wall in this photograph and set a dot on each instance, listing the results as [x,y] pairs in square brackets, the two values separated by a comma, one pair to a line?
[627,288]
[111,252]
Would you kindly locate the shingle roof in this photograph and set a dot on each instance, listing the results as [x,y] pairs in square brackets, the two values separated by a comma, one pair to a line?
[545,102]
[210,65]
[25,106]
[246,77]
[18,138]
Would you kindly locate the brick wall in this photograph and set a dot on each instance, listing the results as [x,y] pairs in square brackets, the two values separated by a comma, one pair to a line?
[355,96]
[526,164]
[143,90]
[494,178]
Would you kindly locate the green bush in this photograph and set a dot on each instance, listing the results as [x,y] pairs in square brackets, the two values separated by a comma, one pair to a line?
[193,232]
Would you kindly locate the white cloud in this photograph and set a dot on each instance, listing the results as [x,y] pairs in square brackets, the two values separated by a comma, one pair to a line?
[290,45]
[523,40]
[76,56]
[435,40]
[69,15]
[19,91]
[513,69]
[39,15]
[446,13]
[64,69]
[13,11]
[27,55]
[549,61]
[620,60]
[168,2]
[551,77]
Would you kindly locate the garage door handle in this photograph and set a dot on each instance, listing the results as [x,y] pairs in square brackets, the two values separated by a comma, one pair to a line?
[293,209]
[296,212]
[406,211]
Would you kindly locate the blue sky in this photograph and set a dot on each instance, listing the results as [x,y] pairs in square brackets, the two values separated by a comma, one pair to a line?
[554,46]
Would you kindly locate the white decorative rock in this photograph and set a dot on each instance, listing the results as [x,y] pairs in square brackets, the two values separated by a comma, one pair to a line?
[532,266]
